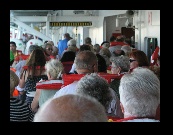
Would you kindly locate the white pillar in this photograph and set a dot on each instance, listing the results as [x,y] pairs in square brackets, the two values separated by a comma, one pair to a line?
[47,28]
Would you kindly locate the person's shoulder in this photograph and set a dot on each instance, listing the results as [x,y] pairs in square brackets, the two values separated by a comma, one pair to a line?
[69,89]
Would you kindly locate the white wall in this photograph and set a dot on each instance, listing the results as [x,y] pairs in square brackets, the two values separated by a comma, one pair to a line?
[148,24]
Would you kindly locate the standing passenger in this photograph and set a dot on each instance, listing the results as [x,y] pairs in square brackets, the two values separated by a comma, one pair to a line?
[62,45]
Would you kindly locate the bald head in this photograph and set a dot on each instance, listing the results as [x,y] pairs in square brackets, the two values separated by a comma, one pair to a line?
[71,108]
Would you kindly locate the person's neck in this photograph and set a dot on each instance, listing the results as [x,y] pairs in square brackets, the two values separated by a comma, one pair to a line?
[83,72]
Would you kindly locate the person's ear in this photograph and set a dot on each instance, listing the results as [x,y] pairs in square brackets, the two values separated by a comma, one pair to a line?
[95,67]
[122,108]
[119,70]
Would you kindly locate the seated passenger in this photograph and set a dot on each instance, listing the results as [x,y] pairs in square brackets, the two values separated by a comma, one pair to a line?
[102,67]
[82,48]
[139,96]
[106,54]
[71,108]
[54,68]
[127,49]
[34,73]
[47,48]
[19,111]
[19,65]
[16,53]
[138,59]
[86,62]
[120,65]
[98,87]
[68,56]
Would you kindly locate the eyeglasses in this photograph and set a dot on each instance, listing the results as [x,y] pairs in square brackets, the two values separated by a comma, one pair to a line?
[50,49]
[131,60]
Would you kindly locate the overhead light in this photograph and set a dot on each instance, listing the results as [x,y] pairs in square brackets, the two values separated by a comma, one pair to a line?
[117,22]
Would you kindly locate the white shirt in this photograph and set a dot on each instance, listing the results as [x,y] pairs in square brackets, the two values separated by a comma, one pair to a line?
[69,89]
[73,68]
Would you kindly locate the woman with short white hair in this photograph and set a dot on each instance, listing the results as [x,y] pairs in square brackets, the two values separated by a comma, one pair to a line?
[54,68]
[120,65]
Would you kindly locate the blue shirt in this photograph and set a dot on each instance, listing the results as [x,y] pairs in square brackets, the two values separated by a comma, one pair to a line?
[62,45]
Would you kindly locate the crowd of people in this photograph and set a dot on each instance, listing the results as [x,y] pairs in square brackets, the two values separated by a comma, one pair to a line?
[38,80]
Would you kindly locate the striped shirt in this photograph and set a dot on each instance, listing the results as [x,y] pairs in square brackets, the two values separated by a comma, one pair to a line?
[20,111]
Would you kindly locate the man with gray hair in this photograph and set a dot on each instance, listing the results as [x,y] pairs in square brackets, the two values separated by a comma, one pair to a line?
[97,87]
[139,95]
[71,108]
[86,62]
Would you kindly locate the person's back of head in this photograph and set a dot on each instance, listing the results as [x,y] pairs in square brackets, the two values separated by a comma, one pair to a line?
[96,48]
[127,49]
[121,62]
[95,86]
[112,49]
[119,39]
[68,56]
[140,93]
[71,42]
[71,48]
[32,47]
[51,42]
[36,58]
[54,67]
[112,39]
[84,47]
[105,51]
[67,36]
[71,108]
[106,45]
[88,41]
[86,60]
[102,67]
[118,52]
[105,42]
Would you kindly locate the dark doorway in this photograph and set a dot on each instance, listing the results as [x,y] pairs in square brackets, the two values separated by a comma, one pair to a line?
[129,33]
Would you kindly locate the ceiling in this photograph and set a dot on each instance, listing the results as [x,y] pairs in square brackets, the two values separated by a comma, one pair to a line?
[32,12]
